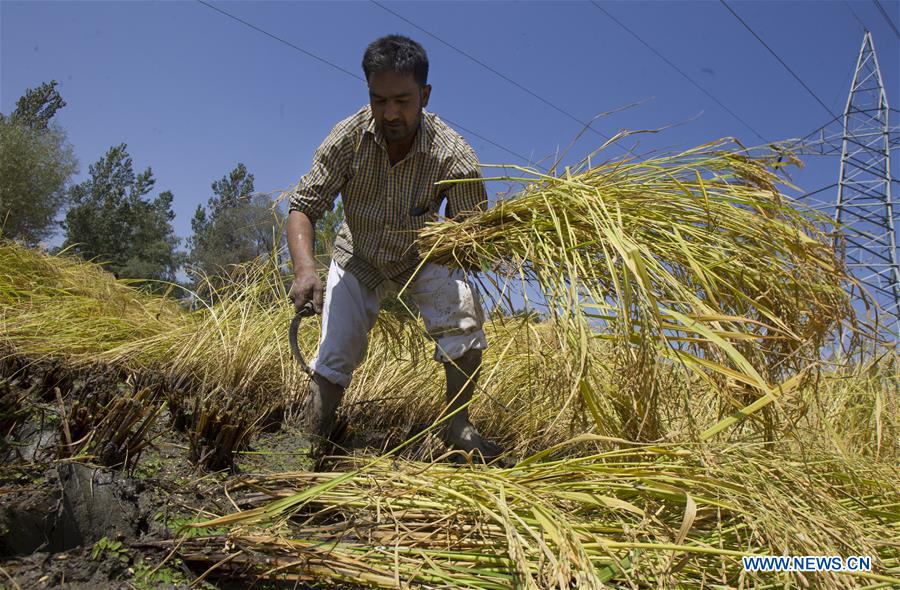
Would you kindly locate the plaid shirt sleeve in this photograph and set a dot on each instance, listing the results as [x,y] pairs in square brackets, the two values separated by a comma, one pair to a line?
[317,190]
[464,197]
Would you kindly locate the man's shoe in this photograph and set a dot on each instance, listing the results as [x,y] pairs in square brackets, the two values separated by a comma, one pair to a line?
[462,373]
[321,409]
[462,436]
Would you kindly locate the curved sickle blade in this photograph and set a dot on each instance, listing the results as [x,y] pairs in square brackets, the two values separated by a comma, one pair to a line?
[306,311]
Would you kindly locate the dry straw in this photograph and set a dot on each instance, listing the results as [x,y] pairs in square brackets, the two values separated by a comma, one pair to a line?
[705,284]
[634,516]
[687,301]
[695,259]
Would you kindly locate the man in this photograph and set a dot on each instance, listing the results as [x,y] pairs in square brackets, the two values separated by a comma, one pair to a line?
[385,161]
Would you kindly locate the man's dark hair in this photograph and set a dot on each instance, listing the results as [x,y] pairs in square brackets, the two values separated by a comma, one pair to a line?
[398,54]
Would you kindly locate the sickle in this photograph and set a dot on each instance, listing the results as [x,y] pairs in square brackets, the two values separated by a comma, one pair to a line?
[304,312]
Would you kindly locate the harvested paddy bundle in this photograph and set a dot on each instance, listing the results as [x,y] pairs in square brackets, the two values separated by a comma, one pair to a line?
[225,364]
[694,260]
[647,268]
[632,516]
[61,307]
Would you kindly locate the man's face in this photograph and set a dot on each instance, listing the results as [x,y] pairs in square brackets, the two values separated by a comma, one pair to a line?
[397,103]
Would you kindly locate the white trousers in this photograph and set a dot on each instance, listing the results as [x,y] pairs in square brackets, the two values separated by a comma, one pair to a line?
[449,304]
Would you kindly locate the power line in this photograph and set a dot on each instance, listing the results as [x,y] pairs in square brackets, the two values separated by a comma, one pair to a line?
[349,73]
[856,16]
[680,71]
[781,61]
[491,69]
[279,39]
[887,17]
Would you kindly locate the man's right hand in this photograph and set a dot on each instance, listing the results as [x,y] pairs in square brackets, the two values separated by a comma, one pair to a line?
[307,287]
[301,240]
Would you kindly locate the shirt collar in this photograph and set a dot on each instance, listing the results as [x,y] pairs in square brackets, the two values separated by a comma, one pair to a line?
[422,141]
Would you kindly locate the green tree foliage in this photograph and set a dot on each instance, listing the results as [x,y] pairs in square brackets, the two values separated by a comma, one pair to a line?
[111,221]
[236,226]
[36,164]
[37,106]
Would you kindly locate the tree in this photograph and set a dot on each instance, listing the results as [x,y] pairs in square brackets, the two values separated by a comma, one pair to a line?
[36,164]
[37,106]
[236,226]
[111,222]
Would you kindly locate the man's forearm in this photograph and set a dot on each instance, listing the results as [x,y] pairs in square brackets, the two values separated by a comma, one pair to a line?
[301,235]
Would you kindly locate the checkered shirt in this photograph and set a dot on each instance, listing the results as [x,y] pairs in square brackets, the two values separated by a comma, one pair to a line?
[384,205]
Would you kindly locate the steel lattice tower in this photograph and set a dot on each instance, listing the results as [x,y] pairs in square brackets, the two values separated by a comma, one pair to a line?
[865,210]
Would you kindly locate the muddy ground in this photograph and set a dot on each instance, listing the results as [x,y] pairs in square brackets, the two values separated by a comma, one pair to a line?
[70,523]
[67,524]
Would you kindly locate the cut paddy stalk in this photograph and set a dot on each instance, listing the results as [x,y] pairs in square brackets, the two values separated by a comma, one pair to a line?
[686,301]
[14,409]
[627,516]
[694,260]
[110,427]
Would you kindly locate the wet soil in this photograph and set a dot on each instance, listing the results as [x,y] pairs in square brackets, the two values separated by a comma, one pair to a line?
[68,523]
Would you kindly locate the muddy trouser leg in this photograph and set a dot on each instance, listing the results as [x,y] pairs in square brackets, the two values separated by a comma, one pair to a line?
[452,311]
[348,315]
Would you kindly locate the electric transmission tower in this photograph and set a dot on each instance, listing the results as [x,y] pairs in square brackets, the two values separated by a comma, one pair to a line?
[865,211]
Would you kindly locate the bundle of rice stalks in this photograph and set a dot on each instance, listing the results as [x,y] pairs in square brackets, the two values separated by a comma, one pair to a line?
[110,427]
[60,307]
[695,258]
[56,307]
[73,313]
[235,341]
[219,429]
[630,516]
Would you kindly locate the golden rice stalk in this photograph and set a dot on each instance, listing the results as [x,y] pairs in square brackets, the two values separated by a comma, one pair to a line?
[231,353]
[693,260]
[631,515]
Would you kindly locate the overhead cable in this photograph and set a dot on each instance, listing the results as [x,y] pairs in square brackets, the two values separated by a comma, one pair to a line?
[778,57]
[679,70]
[494,71]
[308,53]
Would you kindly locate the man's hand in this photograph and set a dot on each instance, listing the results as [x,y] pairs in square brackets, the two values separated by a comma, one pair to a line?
[301,238]
[307,287]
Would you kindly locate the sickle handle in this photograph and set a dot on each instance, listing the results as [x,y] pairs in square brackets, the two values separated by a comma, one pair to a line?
[305,311]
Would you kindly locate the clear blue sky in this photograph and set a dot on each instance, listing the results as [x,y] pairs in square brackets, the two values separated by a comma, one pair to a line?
[193,92]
